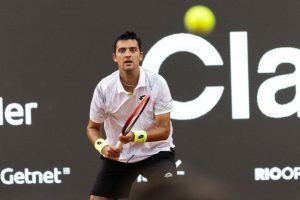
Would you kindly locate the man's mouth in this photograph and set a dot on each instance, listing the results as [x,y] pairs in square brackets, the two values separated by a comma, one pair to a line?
[128,62]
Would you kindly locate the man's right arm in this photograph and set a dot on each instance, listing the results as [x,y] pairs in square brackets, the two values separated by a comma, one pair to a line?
[94,133]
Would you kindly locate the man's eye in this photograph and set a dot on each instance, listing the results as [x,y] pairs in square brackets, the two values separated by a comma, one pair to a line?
[121,50]
[133,49]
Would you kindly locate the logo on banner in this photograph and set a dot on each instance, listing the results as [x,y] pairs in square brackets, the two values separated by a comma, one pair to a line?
[239,75]
[9,176]
[16,114]
[276,173]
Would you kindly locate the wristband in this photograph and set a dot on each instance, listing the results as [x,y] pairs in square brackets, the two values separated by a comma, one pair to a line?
[100,144]
[140,136]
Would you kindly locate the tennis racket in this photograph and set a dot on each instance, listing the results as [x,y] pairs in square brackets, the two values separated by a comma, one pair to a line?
[134,117]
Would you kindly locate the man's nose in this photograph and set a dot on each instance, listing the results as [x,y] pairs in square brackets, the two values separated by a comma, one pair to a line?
[128,53]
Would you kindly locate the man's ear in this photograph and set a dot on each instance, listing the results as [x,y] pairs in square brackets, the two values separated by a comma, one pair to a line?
[142,56]
[114,57]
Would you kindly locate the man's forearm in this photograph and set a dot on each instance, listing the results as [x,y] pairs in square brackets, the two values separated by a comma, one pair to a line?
[158,133]
[94,131]
[161,129]
[93,134]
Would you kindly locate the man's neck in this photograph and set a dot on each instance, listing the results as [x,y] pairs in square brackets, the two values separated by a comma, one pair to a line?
[130,77]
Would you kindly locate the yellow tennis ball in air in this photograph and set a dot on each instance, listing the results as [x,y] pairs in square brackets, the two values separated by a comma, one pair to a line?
[199,19]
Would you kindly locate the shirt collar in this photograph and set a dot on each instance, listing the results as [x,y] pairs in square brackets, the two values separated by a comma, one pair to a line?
[141,82]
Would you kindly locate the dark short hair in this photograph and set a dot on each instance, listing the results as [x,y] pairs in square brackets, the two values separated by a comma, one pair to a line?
[128,35]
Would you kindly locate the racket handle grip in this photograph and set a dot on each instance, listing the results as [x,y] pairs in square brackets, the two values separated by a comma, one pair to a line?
[119,145]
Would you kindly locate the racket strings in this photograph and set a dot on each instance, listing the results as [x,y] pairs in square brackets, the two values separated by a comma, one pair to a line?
[135,115]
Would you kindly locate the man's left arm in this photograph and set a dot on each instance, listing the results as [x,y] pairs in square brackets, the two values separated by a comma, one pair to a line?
[160,130]
[163,105]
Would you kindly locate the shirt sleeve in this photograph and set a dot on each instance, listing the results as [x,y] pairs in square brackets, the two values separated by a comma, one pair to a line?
[97,108]
[164,102]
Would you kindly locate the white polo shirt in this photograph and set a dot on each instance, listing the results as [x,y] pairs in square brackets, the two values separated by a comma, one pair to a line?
[112,105]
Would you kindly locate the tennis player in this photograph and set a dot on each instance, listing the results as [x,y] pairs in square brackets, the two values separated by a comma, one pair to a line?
[148,149]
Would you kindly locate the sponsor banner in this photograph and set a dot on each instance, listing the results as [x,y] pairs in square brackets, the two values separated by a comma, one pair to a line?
[276,174]
[239,71]
[26,176]
[16,114]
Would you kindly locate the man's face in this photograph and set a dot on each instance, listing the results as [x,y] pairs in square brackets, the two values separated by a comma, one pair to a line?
[127,55]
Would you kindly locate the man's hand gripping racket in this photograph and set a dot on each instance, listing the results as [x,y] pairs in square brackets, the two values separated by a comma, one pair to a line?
[133,118]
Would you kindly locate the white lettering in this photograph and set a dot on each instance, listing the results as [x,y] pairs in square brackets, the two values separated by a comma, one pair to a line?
[7,180]
[211,95]
[204,51]
[19,178]
[36,175]
[56,174]
[275,173]
[48,177]
[9,177]
[296,173]
[239,75]
[28,112]
[1,111]
[28,174]
[259,174]
[14,115]
[287,173]
[266,92]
